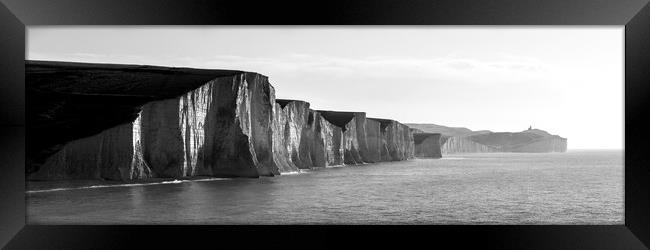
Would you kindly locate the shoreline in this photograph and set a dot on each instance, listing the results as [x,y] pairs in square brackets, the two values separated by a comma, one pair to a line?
[42,186]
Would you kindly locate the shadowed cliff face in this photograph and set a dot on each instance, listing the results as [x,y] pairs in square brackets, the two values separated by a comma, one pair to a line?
[367,140]
[238,127]
[69,101]
[220,128]
[427,145]
[114,154]
[184,122]
[312,144]
[374,141]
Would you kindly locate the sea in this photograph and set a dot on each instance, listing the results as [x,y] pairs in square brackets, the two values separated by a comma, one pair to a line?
[576,187]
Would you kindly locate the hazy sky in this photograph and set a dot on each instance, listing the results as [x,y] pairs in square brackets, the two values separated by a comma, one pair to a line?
[565,80]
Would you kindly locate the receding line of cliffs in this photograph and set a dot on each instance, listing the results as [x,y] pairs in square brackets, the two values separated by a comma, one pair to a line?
[462,140]
[129,122]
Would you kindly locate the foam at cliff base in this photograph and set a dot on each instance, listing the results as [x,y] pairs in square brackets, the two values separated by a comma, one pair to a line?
[126,185]
[300,171]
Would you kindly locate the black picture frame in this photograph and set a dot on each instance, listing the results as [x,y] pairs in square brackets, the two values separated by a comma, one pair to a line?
[633,14]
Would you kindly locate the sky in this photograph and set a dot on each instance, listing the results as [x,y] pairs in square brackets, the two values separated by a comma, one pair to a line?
[567,80]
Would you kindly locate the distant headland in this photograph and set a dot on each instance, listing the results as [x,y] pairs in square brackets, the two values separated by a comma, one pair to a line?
[464,140]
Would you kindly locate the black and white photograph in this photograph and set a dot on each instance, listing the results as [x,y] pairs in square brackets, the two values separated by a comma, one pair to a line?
[286,125]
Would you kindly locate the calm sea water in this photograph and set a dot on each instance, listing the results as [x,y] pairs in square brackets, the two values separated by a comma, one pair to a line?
[577,187]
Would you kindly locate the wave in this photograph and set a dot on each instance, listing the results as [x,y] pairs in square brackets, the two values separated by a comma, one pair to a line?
[300,171]
[212,179]
[125,185]
[173,182]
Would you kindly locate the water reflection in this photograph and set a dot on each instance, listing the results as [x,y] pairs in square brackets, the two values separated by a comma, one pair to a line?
[571,188]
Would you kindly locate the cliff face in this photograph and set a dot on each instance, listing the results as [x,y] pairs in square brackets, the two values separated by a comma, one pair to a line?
[314,142]
[121,122]
[374,141]
[367,140]
[460,144]
[333,143]
[304,140]
[427,145]
[353,137]
[396,140]
[281,137]
[223,128]
[238,135]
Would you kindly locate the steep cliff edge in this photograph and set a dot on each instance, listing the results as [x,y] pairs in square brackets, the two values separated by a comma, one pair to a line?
[68,101]
[174,122]
[128,122]
[305,139]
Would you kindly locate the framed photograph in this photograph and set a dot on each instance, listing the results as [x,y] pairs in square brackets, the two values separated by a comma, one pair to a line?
[166,124]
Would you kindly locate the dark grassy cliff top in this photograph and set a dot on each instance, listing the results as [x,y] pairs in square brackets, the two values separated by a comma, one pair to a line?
[339,118]
[382,120]
[117,79]
[283,102]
